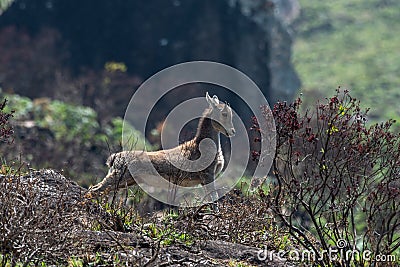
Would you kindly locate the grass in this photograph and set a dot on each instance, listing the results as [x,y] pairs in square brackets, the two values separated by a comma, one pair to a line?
[354,44]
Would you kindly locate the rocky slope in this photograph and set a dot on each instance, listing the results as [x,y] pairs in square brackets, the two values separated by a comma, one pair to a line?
[48,218]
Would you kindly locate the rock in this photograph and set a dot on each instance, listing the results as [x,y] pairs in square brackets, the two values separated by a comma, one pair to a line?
[271,67]
[287,10]
[48,217]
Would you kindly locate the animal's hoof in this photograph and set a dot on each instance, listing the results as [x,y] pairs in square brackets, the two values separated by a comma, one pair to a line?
[215,207]
[90,194]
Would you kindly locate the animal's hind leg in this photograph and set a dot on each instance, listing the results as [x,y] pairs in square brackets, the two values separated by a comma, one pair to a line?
[212,192]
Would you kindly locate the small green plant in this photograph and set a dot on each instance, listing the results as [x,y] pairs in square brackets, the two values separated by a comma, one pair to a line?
[133,139]
[6,130]
[166,232]
[75,262]
[68,122]
[21,106]
[170,237]
[113,66]
[123,218]
[235,263]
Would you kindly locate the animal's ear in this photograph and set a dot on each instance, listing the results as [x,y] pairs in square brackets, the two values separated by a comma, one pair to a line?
[225,108]
[212,101]
[215,98]
[208,98]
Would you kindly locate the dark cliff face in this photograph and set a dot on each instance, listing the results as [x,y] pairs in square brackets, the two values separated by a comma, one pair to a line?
[151,35]
[58,49]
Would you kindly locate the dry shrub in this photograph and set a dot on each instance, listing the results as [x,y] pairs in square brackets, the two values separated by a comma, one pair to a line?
[243,218]
[337,179]
[42,218]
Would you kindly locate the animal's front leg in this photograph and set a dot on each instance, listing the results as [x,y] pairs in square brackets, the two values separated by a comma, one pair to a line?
[214,198]
[214,192]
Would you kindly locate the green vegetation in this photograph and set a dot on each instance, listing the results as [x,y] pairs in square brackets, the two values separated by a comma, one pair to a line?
[4,4]
[168,235]
[353,44]
[51,133]
[235,263]
[68,122]
[115,66]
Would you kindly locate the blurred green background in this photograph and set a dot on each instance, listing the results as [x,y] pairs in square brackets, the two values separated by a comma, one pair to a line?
[354,44]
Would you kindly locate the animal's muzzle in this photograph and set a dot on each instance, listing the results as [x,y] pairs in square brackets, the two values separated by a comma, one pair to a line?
[231,132]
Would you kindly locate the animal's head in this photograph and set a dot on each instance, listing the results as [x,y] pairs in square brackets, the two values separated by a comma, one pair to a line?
[221,115]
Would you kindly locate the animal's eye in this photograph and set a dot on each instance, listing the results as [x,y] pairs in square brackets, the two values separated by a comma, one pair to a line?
[224,114]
